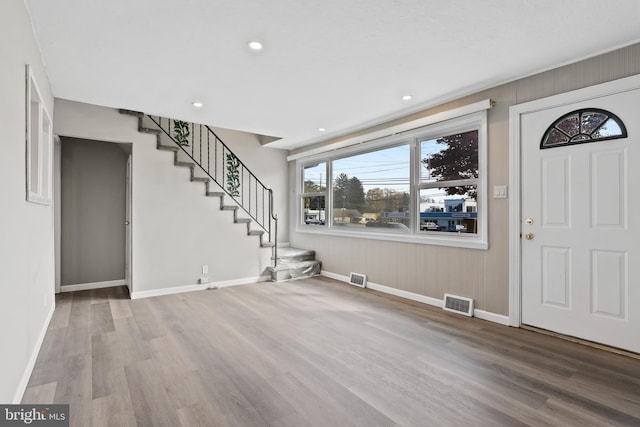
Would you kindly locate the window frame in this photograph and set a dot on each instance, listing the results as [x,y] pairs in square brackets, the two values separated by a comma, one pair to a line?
[571,141]
[39,144]
[301,194]
[473,121]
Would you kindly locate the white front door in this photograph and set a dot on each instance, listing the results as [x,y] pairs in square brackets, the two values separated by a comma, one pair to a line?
[580,226]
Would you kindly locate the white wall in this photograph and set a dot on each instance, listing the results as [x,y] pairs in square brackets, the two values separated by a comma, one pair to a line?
[26,229]
[176,229]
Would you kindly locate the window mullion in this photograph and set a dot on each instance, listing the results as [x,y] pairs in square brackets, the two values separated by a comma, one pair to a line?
[329,194]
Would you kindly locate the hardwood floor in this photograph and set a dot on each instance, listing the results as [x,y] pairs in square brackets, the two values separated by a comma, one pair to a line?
[316,352]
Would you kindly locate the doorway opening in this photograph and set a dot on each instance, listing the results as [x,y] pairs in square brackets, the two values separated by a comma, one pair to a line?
[93,214]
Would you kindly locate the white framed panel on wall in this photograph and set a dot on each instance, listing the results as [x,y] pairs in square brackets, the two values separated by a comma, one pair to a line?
[39,144]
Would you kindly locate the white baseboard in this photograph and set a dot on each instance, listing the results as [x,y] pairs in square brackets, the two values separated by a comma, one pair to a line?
[480,314]
[24,381]
[94,285]
[201,287]
[167,291]
[491,317]
[388,290]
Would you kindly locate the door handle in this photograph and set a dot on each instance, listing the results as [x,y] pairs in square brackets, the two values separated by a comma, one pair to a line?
[528,236]
[126,223]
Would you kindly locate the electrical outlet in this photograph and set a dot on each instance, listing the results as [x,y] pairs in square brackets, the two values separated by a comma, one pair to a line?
[203,280]
[205,269]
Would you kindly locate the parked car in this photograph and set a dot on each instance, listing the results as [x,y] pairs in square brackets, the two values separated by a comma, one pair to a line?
[429,226]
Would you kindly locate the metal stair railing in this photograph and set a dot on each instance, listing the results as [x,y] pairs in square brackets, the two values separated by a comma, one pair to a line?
[213,157]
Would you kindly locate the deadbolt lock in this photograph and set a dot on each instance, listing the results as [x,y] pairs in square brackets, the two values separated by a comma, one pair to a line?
[528,221]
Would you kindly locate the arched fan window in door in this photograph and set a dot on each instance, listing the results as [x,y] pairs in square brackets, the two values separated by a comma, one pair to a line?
[582,126]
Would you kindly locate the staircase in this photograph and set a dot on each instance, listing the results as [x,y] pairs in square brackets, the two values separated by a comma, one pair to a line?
[295,263]
[197,147]
[211,162]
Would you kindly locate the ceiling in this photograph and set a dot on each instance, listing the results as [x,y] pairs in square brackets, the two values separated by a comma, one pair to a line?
[341,65]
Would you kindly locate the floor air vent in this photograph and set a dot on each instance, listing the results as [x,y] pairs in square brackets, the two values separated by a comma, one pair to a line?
[458,304]
[358,279]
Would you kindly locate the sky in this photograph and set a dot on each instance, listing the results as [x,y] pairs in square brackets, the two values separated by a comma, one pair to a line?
[386,168]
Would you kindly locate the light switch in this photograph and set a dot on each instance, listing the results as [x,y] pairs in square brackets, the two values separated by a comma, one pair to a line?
[205,269]
[499,191]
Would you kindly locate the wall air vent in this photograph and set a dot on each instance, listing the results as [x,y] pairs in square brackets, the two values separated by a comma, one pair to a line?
[358,279]
[460,305]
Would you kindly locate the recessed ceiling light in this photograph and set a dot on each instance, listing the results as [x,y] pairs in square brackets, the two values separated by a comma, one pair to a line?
[197,104]
[254,45]
[321,129]
[406,97]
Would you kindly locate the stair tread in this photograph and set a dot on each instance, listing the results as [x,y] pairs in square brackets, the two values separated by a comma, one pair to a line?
[229,208]
[295,265]
[289,251]
[148,130]
[242,220]
[256,232]
[185,164]
[215,194]
[200,179]
[168,148]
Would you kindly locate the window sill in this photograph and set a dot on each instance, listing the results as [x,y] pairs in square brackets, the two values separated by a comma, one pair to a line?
[457,241]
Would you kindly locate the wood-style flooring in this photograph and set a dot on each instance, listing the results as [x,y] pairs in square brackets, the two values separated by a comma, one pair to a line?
[316,352]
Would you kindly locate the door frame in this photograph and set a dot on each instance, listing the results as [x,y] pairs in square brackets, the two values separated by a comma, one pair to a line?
[57,171]
[128,274]
[57,210]
[515,201]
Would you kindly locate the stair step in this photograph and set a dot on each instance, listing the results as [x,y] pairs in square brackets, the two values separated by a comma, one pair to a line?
[172,148]
[266,245]
[291,255]
[199,179]
[242,220]
[229,208]
[184,164]
[297,270]
[151,131]
[255,233]
[215,194]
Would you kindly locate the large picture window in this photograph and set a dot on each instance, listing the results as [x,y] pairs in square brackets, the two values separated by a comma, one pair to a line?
[367,187]
[427,186]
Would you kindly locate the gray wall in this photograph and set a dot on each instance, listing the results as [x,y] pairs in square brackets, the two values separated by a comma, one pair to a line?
[93,211]
[26,229]
[433,270]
